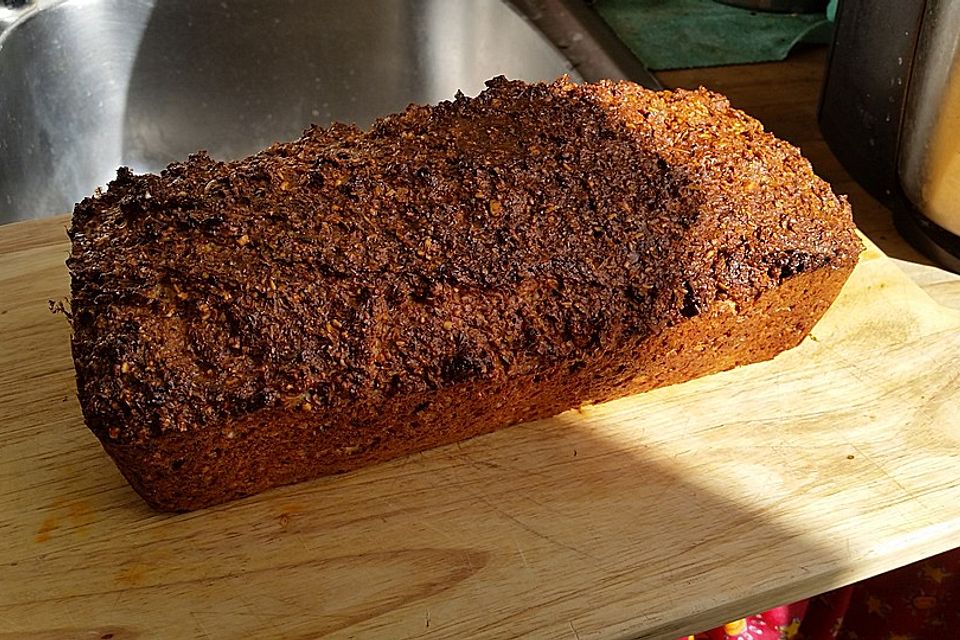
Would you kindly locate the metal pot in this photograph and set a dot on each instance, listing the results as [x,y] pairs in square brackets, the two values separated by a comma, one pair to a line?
[890,111]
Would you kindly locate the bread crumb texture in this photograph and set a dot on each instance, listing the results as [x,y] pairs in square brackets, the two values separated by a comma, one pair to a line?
[356,295]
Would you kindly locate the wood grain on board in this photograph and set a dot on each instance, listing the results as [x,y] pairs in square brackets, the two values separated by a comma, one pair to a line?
[646,517]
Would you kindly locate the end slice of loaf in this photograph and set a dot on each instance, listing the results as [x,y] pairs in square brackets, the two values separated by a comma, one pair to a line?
[355,296]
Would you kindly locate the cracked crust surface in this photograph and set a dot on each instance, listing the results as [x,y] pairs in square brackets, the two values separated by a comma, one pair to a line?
[353,296]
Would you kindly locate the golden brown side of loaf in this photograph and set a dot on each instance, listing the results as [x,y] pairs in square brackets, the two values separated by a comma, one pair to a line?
[355,296]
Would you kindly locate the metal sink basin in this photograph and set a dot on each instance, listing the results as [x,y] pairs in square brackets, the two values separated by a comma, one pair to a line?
[89,85]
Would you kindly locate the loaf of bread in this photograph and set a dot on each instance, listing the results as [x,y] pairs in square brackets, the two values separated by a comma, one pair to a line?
[354,296]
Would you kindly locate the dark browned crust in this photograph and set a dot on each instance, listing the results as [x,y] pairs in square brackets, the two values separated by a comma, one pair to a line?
[355,296]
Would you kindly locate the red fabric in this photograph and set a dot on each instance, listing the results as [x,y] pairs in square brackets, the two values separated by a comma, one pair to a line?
[775,624]
[918,602]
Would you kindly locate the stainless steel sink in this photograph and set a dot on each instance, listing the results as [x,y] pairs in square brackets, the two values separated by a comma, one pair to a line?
[89,85]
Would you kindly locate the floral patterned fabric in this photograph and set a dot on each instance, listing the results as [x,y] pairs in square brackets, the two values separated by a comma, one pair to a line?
[918,602]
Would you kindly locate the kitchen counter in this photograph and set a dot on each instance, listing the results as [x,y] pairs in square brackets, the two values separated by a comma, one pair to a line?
[648,517]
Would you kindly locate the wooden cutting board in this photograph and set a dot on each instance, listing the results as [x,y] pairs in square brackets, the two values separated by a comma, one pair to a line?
[646,517]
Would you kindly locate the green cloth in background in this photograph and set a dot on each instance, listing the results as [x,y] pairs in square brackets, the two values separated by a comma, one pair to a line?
[680,34]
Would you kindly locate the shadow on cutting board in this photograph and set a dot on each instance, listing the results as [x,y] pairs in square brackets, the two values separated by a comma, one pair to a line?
[535,530]
[718,497]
